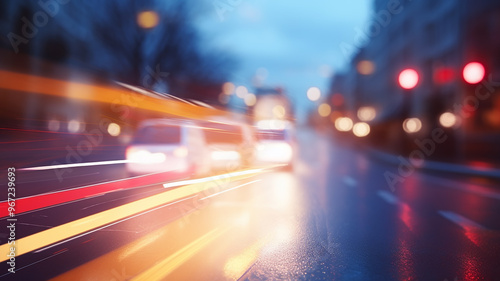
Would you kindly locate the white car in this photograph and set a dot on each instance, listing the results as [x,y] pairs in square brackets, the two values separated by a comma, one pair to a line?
[231,145]
[275,147]
[162,145]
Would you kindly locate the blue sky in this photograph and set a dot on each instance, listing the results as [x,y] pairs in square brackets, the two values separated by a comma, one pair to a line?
[297,42]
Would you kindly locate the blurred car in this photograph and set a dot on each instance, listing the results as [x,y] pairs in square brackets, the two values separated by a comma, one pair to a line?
[168,145]
[231,145]
[275,145]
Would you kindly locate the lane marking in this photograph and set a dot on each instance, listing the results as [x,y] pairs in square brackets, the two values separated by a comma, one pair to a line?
[163,268]
[475,189]
[405,214]
[106,226]
[218,193]
[349,181]
[237,266]
[389,197]
[463,222]
[82,226]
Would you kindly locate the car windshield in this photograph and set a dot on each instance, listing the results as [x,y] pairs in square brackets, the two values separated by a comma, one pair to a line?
[223,133]
[271,135]
[159,134]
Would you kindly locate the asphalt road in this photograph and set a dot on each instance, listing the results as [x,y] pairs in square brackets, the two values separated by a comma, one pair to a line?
[334,217]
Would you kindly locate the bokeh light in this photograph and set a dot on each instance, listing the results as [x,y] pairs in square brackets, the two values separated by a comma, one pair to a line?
[313,94]
[228,88]
[54,125]
[408,79]
[473,73]
[114,129]
[241,91]
[412,125]
[250,99]
[74,126]
[148,19]
[343,124]
[324,110]
[365,67]
[361,129]
[448,119]
[367,113]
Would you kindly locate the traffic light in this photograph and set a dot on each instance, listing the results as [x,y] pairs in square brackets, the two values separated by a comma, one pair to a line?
[473,72]
[443,75]
[408,79]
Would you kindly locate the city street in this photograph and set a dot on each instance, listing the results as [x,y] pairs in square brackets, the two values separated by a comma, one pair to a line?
[249,140]
[333,218]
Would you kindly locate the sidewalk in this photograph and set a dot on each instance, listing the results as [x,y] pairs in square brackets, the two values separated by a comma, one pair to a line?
[435,166]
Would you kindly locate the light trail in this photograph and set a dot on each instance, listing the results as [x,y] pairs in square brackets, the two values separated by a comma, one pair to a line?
[64,166]
[218,193]
[54,198]
[117,222]
[163,268]
[212,178]
[78,227]
[102,93]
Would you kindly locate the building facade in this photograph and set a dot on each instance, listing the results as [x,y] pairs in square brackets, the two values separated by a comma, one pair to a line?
[436,38]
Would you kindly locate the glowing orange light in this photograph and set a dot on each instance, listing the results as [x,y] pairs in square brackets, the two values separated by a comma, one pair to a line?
[408,79]
[148,19]
[365,67]
[324,110]
[473,72]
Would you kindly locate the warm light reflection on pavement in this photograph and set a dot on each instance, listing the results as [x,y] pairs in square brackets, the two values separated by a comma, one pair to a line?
[232,231]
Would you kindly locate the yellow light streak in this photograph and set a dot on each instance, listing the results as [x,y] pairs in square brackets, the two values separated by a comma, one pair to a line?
[62,232]
[100,93]
[236,266]
[160,270]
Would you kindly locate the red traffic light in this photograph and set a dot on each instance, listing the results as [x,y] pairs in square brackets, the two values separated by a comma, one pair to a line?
[473,72]
[408,78]
[444,75]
